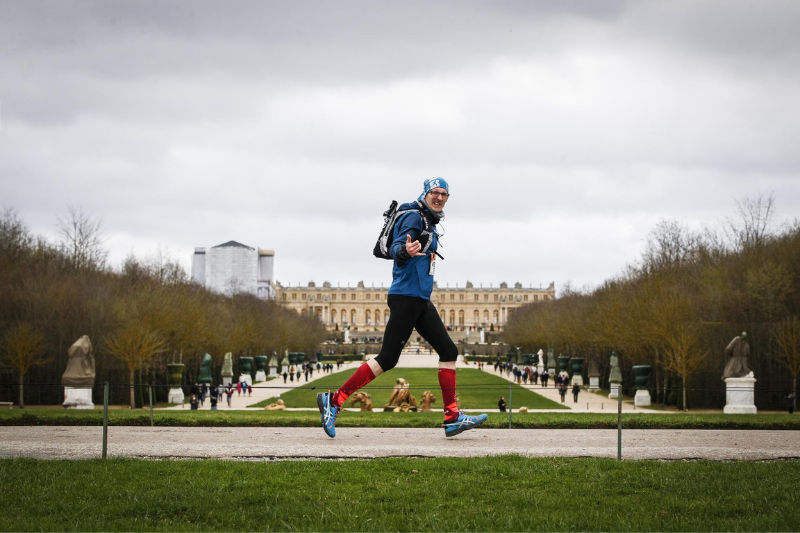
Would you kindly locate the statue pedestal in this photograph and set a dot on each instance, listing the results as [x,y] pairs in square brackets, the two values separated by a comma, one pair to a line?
[261,376]
[594,383]
[78,398]
[273,371]
[642,398]
[227,380]
[577,380]
[615,390]
[175,396]
[740,396]
[246,378]
[540,368]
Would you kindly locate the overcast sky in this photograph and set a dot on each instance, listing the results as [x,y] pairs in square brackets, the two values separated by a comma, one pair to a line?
[565,129]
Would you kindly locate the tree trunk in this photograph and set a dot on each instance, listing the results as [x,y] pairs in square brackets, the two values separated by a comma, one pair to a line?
[133,390]
[685,407]
[21,389]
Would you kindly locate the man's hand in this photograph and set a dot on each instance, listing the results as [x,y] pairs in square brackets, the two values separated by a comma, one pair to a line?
[413,248]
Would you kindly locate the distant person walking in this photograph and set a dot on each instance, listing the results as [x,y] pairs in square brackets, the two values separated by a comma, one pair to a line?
[575,391]
[562,390]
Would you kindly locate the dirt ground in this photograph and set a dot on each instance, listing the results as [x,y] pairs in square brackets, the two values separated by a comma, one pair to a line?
[267,444]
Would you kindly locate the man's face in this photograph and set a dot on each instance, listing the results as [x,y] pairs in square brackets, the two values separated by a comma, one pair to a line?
[436,198]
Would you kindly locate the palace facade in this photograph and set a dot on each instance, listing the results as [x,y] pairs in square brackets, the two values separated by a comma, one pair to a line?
[364,309]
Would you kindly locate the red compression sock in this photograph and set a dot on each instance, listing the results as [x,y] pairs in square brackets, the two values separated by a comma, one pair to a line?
[447,381]
[360,378]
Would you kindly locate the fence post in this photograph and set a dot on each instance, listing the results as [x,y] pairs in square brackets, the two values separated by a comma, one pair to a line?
[619,423]
[151,406]
[510,403]
[105,419]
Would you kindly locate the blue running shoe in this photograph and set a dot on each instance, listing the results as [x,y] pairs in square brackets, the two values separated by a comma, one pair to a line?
[327,413]
[463,423]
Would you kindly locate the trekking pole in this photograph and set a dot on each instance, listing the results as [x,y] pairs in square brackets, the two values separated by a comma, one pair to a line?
[105,419]
[619,423]
[510,404]
[151,406]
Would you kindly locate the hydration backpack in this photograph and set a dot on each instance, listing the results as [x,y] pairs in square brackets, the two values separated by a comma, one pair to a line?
[390,217]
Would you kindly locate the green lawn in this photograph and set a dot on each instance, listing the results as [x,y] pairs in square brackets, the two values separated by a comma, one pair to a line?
[506,493]
[476,389]
[259,417]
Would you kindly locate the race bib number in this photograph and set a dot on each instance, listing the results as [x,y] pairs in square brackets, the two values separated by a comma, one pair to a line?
[432,269]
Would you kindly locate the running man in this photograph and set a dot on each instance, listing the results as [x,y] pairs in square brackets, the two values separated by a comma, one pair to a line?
[410,304]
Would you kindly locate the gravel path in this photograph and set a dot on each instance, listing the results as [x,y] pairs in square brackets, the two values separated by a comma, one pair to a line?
[68,442]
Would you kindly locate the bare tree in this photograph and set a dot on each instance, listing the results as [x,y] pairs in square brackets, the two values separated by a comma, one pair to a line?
[82,240]
[135,345]
[22,349]
[752,227]
[679,330]
[14,235]
[786,336]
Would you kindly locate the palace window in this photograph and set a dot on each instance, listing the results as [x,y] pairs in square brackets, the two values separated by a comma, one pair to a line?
[535,297]
[304,296]
[333,297]
[485,297]
[525,298]
[369,296]
[353,296]
[461,318]
[460,297]
[496,297]
[452,297]
[476,297]
[333,316]
[294,296]
[476,317]
[368,316]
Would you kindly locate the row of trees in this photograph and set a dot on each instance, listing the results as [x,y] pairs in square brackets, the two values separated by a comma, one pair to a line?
[139,317]
[682,302]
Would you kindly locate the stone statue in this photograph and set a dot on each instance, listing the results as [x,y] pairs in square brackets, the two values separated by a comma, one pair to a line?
[79,375]
[616,374]
[227,366]
[205,370]
[615,377]
[737,352]
[400,395]
[277,406]
[362,398]
[80,365]
[427,399]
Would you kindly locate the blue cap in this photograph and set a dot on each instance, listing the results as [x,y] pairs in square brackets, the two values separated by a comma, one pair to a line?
[435,183]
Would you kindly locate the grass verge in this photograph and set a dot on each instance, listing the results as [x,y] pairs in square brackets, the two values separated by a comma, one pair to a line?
[476,389]
[507,493]
[225,418]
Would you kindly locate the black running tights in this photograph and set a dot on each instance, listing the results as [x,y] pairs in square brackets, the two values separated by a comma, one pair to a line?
[408,313]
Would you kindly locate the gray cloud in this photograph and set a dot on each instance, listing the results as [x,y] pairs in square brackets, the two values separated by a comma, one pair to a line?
[567,129]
